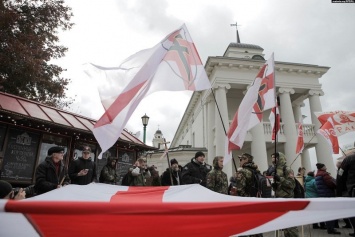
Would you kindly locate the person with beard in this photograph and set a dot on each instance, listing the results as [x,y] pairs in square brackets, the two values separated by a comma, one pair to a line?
[195,172]
[51,173]
[217,180]
[108,173]
[173,173]
[83,170]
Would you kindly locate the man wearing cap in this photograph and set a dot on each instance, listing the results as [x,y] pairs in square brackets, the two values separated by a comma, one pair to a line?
[195,172]
[51,173]
[172,173]
[326,187]
[108,173]
[82,171]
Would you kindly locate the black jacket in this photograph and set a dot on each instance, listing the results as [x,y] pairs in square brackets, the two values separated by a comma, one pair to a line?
[195,173]
[80,164]
[346,177]
[165,178]
[47,178]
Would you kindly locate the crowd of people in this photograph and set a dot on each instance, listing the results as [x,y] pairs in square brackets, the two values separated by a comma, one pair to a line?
[52,174]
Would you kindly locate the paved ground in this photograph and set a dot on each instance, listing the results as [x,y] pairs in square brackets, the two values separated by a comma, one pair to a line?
[308,231]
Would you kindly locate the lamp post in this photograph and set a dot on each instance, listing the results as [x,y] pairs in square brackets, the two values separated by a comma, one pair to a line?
[145,120]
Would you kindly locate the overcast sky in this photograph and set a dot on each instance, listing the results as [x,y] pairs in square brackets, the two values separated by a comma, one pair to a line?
[299,31]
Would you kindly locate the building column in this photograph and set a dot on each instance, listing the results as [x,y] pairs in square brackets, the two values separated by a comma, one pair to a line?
[210,129]
[258,147]
[323,151]
[289,126]
[306,160]
[222,115]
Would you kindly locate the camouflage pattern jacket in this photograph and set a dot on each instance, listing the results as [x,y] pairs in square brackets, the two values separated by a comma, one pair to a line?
[217,181]
[287,183]
[245,179]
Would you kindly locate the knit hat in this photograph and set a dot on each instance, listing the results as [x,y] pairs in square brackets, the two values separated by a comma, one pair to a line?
[199,153]
[55,149]
[173,161]
[5,188]
[320,165]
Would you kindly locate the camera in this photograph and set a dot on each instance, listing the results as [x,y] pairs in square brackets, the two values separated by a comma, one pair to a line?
[29,191]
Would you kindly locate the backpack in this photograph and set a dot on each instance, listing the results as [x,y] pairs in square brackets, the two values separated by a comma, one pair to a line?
[298,191]
[127,179]
[260,186]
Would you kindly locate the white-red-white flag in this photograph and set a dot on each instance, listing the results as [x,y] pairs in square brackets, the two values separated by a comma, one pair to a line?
[344,121]
[172,65]
[259,97]
[100,209]
[300,142]
[275,122]
[328,132]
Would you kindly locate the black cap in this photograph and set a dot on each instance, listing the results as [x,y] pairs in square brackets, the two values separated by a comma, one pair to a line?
[86,149]
[55,149]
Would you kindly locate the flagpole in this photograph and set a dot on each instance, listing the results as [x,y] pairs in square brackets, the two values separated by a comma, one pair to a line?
[167,158]
[225,131]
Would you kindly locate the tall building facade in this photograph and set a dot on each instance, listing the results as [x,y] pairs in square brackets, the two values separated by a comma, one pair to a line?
[209,113]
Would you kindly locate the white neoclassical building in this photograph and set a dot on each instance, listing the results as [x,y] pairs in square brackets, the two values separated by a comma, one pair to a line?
[230,75]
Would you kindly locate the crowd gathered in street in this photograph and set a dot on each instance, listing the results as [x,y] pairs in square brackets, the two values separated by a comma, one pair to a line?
[278,181]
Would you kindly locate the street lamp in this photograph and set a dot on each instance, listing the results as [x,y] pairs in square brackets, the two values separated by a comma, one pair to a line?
[145,120]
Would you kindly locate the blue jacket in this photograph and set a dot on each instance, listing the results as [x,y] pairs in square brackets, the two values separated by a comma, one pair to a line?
[311,187]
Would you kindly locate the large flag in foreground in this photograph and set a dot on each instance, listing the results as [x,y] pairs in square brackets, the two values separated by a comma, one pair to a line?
[186,210]
[172,65]
[259,97]
[344,121]
[328,132]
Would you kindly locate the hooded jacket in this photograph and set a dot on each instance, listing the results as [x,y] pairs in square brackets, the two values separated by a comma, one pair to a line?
[287,183]
[217,180]
[310,187]
[108,173]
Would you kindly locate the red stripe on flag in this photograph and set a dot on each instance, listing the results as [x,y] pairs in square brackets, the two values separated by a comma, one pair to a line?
[134,219]
[120,103]
[134,195]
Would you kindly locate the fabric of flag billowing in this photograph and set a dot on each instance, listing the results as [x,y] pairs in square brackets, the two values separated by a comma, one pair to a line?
[172,65]
[186,210]
[275,122]
[300,142]
[327,130]
[259,97]
[344,121]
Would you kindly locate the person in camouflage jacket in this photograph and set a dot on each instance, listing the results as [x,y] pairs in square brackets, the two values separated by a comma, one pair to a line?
[244,179]
[216,179]
[108,173]
[284,184]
